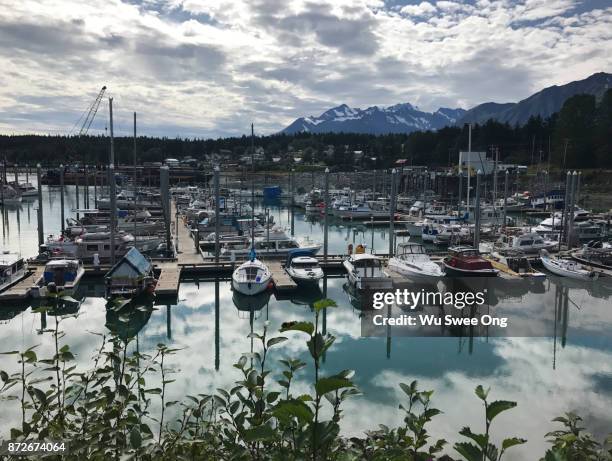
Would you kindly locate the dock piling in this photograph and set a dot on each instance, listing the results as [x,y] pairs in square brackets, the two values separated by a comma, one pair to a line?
[63,222]
[326,216]
[39,210]
[164,179]
[477,211]
[506,174]
[392,212]
[217,220]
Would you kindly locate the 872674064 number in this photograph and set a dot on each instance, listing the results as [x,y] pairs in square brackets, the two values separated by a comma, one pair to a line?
[33,447]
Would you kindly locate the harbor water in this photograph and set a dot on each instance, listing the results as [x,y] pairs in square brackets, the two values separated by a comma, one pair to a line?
[569,370]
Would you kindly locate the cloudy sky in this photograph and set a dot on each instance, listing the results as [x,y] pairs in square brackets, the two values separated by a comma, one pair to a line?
[207,68]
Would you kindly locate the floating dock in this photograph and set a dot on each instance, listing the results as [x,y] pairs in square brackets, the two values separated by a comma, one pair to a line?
[282,280]
[21,289]
[169,279]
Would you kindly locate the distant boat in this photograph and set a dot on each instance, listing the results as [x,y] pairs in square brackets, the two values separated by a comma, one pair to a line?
[61,277]
[365,271]
[10,196]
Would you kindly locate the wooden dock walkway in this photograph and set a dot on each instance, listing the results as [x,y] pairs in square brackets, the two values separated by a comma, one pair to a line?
[169,279]
[21,289]
[282,280]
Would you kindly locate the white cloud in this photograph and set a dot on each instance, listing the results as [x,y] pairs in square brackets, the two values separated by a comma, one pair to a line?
[208,68]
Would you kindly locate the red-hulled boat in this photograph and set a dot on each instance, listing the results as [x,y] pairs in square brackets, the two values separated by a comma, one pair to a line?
[467,262]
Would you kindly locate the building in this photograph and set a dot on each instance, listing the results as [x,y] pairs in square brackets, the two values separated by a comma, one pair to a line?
[476,161]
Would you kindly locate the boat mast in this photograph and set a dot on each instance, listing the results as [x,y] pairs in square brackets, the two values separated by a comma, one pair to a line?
[134,181]
[252,192]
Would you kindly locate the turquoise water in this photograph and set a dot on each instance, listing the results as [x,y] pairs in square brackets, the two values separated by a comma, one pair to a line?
[570,370]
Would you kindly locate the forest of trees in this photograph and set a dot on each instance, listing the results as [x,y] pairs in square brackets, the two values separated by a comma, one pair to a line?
[578,136]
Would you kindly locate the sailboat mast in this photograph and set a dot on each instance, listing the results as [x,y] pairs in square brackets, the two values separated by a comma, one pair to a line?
[253,187]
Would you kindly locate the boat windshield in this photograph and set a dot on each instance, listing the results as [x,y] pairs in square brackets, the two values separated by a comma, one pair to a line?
[304,265]
[375,263]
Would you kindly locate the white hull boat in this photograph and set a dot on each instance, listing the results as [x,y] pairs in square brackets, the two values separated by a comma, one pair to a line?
[413,262]
[567,268]
[303,268]
[251,277]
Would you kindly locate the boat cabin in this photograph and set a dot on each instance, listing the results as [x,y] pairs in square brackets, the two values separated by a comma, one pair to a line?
[132,275]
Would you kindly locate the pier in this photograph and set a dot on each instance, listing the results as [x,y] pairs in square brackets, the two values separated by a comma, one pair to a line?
[21,290]
[282,280]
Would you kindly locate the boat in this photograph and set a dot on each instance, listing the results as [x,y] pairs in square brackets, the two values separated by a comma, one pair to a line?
[597,254]
[26,189]
[12,269]
[99,243]
[467,262]
[359,211]
[9,195]
[280,246]
[365,271]
[131,276]
[60,277]
[303,267]
[251,277]
[567,268]
[514,264]
[529,243]
[452,234]
[412,261]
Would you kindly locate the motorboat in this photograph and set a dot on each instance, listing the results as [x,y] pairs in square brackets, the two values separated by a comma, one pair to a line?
[365,271]
[12,269]
[26,189]
[60,277]
[269,246]
[467,262]
[251,277]
[429,232]
[303,267]
[567,268]
[596,254]
[529,243]
[452,234]
[99,243]
[359,211]
[412,261]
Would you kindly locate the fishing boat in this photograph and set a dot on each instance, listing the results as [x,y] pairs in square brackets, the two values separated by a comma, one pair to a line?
[365,271]
[131,276]
[467,262]
[567,268]
[60,277]
[12,269]
[412,261]
[303,267]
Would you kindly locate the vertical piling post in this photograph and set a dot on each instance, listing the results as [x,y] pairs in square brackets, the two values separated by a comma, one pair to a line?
[39,211]
[392,212]
[577,191]
[86,198]
[477,211]
[217,217]
[460,197]
[292,192]
[113,210]
[545,190]
[76,187]
[95,178]
[164,179]
[570,215]
[16,175]
[326,217]
[505,197]
[568,185]
[27,173]
[63,222]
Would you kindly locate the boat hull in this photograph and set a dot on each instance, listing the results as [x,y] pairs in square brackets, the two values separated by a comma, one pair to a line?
[251,288]
[457,272]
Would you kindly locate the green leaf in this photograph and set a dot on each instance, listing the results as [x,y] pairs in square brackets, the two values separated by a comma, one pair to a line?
[480,439]
[306,327]
[324,304]
[4,376]
[408,390]
[272,396]
[135,437]
[469,451]
[293,409]
[259,433]
[325,385]
[497,407]
[277,340]
[30,356]
[507,443]
[481,393]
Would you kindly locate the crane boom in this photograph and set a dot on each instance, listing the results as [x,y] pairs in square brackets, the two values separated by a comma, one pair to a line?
[91,114]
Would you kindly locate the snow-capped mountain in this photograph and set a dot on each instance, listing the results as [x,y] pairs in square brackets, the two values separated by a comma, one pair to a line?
[400,118]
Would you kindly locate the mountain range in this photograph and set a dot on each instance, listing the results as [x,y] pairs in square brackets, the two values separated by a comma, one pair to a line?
[405,118]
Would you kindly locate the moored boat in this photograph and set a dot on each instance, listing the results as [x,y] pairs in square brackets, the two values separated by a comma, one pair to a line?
[567,268]
[467,262]
[251,277]
[412,261]
[60,277]
[303,267]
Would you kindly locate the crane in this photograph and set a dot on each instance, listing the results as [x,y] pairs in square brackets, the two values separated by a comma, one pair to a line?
[91,113]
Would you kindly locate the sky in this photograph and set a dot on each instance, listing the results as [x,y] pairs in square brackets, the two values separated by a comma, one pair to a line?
[208,68]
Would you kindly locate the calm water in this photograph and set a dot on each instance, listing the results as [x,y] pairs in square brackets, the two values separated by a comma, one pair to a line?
[571,370]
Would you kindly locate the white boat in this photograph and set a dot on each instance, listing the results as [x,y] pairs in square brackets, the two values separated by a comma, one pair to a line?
[429,232]
[452,234]
[303,267]
[279,246]
[27,190]
[359,211]
[365,271]
[61,277]
[528,243]
[567,268]
[12,269]
[414,263]
[251,277]
[9,195]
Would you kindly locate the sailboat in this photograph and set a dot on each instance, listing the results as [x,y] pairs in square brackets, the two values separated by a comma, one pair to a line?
[253,276]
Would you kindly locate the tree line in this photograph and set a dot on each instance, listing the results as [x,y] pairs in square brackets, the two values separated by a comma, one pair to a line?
[578,136]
